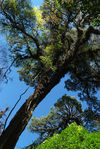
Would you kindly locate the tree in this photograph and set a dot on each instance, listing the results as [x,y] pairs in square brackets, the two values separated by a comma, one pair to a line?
[65,111]
[91,119]
[48,48]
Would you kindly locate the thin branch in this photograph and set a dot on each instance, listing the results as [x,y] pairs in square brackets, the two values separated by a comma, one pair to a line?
[3,112]
[19,100]
[9,70]
[15,106]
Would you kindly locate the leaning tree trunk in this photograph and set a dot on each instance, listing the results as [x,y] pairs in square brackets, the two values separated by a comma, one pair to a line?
[10,136]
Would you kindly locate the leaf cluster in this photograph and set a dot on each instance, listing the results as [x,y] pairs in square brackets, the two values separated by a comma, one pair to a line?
[72,137]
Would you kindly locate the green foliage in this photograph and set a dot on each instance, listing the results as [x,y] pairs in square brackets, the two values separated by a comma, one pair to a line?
[73,137]
[39,38]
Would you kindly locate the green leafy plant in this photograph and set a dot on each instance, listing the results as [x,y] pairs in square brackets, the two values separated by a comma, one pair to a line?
[73,137]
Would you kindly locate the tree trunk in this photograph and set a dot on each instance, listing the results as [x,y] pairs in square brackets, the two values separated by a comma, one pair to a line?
[10,136]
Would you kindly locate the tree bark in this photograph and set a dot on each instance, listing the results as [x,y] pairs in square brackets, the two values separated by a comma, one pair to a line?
[10,136]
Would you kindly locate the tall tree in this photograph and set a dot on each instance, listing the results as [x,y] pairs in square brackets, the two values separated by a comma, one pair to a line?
[49,47]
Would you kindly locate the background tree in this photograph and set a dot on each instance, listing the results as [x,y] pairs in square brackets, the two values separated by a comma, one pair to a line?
[48,48]
[65,111]
[91,119]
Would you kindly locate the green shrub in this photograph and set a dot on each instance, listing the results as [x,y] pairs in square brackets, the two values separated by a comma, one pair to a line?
[73,137]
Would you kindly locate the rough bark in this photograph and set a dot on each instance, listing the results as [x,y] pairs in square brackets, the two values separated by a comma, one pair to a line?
[10,136]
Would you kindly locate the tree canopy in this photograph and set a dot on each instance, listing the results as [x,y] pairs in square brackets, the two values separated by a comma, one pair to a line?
[48,43]
[65,111]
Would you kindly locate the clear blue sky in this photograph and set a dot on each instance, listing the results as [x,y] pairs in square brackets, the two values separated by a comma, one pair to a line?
[10,93]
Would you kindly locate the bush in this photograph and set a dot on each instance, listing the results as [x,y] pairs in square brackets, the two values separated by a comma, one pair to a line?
[73,137]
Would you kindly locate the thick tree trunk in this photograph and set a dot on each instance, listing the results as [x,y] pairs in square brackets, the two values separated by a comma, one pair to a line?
[10,136]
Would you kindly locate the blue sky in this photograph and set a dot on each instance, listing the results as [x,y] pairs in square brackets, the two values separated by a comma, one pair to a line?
[10,93]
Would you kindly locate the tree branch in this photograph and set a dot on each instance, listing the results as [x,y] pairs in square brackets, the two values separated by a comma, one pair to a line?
[15,26]
[9,69]
[15,106]
[18,101]
[90,30]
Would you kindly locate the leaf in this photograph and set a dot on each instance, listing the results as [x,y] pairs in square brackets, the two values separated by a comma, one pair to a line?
[57,4]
